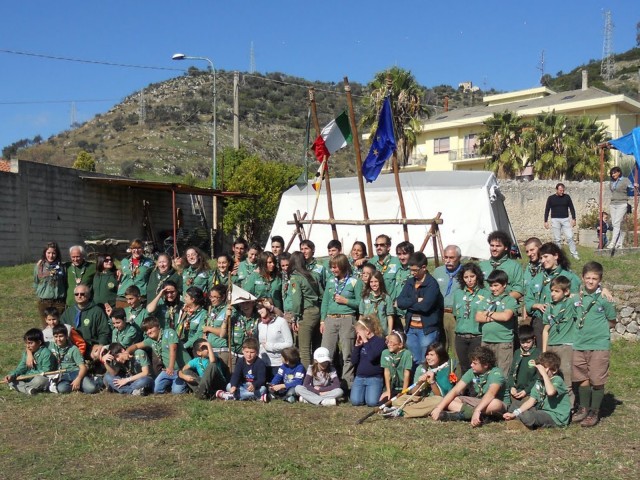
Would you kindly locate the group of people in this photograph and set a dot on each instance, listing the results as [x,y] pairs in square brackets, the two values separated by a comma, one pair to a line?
[467,341]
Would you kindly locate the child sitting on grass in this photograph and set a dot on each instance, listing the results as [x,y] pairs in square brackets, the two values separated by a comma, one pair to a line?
[487,384]
[397,362]
[127,373]
[289,375]
[523,373]
[548,405]
[43,361]
[204,374]
[124,333]
[321,385]
[592,345]
[69,358]
[249,378]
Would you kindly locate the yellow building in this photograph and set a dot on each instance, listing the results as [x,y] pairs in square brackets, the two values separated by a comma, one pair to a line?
[448,139]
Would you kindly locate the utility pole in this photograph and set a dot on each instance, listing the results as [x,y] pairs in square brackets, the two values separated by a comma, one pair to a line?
[252,60]
[142,109]
[541,67]
[74,115]
[236,111]
[607,66]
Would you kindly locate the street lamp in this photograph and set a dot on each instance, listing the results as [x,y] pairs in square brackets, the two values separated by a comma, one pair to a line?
[182,56]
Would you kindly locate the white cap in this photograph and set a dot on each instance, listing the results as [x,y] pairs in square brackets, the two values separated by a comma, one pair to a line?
[321,355]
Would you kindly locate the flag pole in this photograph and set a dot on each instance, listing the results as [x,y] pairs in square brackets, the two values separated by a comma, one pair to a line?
[396,175]
[356,146]
[327,181]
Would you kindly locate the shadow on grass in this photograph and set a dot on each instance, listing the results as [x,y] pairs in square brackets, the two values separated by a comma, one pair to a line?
[609,405]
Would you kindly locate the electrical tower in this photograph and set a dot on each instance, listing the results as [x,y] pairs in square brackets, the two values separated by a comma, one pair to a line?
[142,108]
[541,68]
[607,67]
[252,60]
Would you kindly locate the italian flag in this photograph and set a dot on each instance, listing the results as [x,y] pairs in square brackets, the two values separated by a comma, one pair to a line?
[334,136]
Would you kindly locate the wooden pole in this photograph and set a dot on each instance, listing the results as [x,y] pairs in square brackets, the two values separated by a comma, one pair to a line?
[391,221]
[602,147]
[228,319]
[327,181]
[295,232]
[175,230]
[635,206]
[356,146]
[396,176]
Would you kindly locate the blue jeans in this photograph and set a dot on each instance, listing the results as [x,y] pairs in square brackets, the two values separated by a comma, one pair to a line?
[366,390]
[242,393]
[87,386]
[417,343]
[165,381]
[144,382]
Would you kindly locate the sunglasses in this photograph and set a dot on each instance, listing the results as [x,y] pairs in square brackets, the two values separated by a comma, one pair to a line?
[379,244]
[80,294]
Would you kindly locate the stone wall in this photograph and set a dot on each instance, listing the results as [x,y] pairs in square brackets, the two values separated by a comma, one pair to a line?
[525,202]
[627,299]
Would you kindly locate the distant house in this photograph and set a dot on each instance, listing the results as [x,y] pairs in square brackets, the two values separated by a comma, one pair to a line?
[448,140]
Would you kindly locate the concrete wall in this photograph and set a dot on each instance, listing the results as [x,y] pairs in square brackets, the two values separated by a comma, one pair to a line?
[42,203]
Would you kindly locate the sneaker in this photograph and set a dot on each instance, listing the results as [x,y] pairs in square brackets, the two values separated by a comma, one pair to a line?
[31,391]
[391,412]
[291,399]
[138,392]
[580,415]
[329,402]
[388,409]
[264,398]
[223,395]
[11,386]
[451,417]
[302,400]
[591,420]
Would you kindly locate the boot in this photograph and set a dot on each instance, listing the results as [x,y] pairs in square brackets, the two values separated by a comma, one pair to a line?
[580,415]
[591,419]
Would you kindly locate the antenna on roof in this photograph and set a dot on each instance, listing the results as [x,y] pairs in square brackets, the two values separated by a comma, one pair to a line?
[607,66]
[541,67]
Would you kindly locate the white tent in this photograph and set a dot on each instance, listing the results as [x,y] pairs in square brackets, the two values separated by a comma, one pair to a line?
[470,201]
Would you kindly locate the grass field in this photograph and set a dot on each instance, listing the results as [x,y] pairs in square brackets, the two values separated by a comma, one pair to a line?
[113,436]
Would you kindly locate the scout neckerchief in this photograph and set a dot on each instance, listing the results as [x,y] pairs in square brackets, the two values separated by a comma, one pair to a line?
[219,278]
[190,274]
[452,276]
[534,268]
[162,277]
[376,300]
[74,269]
[60,353]
[497,263]
[156,346]
[552,317]
[582,313]
[170,315]
[119,334]
[341,285]
[468,297]
[493,303]
[479,381]
[384,265]
[134,312]
[185,322]
[393,370]
[134,265]
[542,392]
[49,272]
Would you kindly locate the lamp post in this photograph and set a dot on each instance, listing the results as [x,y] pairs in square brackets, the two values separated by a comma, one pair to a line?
[214,176]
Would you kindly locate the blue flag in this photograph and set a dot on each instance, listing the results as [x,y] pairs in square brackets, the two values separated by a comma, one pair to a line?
[383,145]
[629,144]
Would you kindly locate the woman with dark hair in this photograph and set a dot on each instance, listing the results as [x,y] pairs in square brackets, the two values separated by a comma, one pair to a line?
[50,280]
[223,268]
[167,306]
[105,282]
[538,295]
[304,294]
[135,270]
[466,302]
[162,272]
[274,335]
[213,328]
[266,281]
[195,269]
[358,257]
[193,317]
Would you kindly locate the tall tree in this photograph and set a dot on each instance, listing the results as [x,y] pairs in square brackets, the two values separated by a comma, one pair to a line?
[406,104]
[544,141]
[501,141]
[585,134]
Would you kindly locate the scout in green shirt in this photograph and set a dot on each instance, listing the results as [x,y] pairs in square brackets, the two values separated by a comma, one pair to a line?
[376,301]
[403,253]
[192,318]
[266,281]
[136,312]
[499,247]
[342,296]
[487,384]
[127,373]
[249,264]
[87,318]
[162,273]
[135,270]
[214,326]
[166,306]
[548,405]
[308,248]
[105,282]
[42,361]
[523,373]
[385,263]
[124,333]
[79,271]
[69,358]
[595,315]
[559,317]
[397,363]
[164,344]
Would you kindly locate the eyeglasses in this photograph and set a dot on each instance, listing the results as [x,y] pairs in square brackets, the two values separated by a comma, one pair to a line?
[380,244]
[80,294]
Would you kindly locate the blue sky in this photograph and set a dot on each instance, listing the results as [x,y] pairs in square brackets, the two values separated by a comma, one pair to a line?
[492,43]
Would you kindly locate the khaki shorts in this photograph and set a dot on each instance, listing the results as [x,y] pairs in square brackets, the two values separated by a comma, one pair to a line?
[592,365]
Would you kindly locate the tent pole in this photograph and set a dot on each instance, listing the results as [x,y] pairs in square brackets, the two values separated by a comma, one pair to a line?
[600,246]
[327,181]
[173,218]
[635,207]
[356,146]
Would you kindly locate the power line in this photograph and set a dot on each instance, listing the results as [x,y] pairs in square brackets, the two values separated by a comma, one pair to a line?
[37,102]
[94,62]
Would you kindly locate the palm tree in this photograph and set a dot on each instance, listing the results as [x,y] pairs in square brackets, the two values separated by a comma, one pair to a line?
[544,141]
[406,106]
[502,142]
[585,134]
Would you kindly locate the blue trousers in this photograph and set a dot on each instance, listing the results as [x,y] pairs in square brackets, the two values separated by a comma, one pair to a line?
[242,393]
[164,381]
[417,343]
[366,390]
[87,386]
[144,382]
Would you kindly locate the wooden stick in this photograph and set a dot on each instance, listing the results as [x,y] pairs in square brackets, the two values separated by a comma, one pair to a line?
[356,147]
[389,402]
[431,233]
[315,206]
[295,232]
[392,221]
[327,181]
[34,375]
[227,320]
